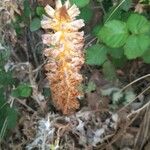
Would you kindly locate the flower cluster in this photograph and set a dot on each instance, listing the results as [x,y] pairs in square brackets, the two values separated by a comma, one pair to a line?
[64,53]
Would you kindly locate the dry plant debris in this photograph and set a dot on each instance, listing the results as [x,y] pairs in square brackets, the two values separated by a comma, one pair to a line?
[87,128]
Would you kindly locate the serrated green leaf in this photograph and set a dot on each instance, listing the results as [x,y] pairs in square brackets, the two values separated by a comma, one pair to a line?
[109,71]
[129,96]
[96,55]
[117,96]
[22,91]
[114,33]
[146,57]
[86,14]
[35,24]
[80,3]
[138,24]
[40,11]
[136,45]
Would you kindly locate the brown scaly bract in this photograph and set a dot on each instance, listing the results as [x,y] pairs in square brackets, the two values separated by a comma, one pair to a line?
[64,53]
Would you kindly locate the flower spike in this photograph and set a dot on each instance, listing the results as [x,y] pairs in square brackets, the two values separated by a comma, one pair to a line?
[64,54]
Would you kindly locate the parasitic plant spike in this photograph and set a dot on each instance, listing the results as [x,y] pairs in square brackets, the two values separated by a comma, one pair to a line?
[64,53]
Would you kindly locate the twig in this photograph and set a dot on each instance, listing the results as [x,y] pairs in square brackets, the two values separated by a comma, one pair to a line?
[139,110]
[145,76]
[143,132]
[87,45]
[36,95]
[115,10]
[20,101]
[38,68]
[2,131]
[135,98]
[118,134]
[102,7]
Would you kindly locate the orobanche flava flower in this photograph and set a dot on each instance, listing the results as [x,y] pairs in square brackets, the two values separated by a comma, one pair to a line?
[64,53]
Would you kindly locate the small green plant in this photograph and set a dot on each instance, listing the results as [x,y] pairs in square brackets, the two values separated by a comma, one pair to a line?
[30,18]
[8,112]
[119,97]
[10,88]
[124,35]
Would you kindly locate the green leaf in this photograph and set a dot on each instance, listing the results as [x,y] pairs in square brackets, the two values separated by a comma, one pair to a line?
[119,63]
[109,91]
[146,57]
[90,87]
[96,30]
[114,33]
[125,16]
[129,96]
[6,78]
[40,11]
[22,91]
[126,5]
[106,4]
[117,97]
[113,14]
[114,11]
[138,24]
[109,71]
[17,28]
[145,1]
[8,119]
[1,96]
[136,45]
[86,14]
[11,118]
[116,52]
[96,55]
[80,3]
[4,54]
[3,128]
[27,9]
[35,24]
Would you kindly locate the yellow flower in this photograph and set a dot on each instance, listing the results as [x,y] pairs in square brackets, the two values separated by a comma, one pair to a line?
[64,53]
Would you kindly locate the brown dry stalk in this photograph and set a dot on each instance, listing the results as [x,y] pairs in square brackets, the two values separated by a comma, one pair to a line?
[64,53]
